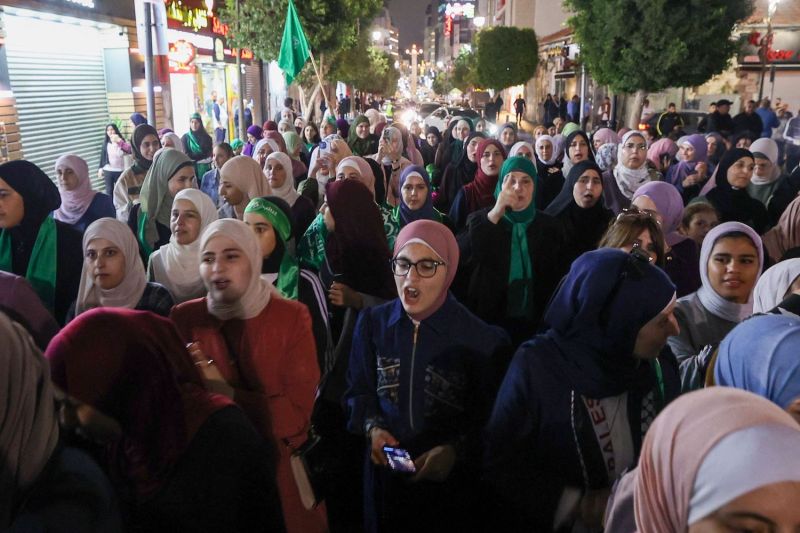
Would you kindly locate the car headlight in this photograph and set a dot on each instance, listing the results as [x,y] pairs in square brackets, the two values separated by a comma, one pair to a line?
[408,117]
[492,129]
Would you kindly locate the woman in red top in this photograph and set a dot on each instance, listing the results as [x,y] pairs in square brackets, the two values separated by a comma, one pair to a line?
[263,347]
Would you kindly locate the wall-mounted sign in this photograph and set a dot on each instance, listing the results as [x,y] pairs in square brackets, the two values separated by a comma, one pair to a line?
[448,25]
[460,10]
[783,48]
[219,50]
[218,27]
[190,17]
[181,57]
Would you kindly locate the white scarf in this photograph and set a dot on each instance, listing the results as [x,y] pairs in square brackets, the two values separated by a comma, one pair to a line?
[629,179]
[258,292]
[286,191]
[129,292]
[713,302]
[182,261]
[769,149]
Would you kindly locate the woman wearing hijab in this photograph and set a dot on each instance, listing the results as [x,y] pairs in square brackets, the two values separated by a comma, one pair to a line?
[507,245]
[33,244]
[311,137]
[630,172]
[360,140]
[731,260]
[137,119]
[606,157]
[263,347]
[684,480]
[522,149]
[170,139]
[343,128]
[661,153]
[172,171]
[715,149]
[577,400]
[729,193]
[580,209]
[80,205]
[767,172]
[784,239]
[760,356]
[197,144]
[691,173]
[390,156]
[278,169]
[270,219]
[429,144]
[113,275]
[576,149]
[322,169]
[682,254]
[241,180]
[459,173]
[453,143]
[168,427]
[480,192]
[778,289]
[175,265]
[254,134]
[416,201]
[551,179]
[45,485]
[294,148]
[604,136]
[426,334]
[507,135]
[112,157]
[144,144]
[20,302]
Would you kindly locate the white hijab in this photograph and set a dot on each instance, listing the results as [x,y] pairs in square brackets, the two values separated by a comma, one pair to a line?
[630,179]
[713,302]
[128,293]
[769,149]
[286,191]
[181,261]
[553,156]
[773,285]
[519,144]
[257,295]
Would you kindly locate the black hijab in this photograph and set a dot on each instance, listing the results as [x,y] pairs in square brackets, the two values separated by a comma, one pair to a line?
[736,205]
[39,194]
[571,137]
[458,173]
[140,164]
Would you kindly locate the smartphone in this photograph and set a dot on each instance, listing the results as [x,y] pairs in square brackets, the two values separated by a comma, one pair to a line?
[386,135]
[399,460]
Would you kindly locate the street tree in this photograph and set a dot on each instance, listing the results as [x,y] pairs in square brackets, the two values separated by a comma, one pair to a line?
[642,47]
[506,56]
[365,67]
[465,71]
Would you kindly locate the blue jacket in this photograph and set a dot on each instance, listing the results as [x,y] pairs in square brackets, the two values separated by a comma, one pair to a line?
[769,119]
[428,392]
[209,184]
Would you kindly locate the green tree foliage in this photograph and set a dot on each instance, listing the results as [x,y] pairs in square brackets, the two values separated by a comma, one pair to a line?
[465,71]
[329,25]
[506,56]
[441,83]
[365,67]
[634,45]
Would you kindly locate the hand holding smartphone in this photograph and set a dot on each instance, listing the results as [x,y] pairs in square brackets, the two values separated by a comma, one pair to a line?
[399,460]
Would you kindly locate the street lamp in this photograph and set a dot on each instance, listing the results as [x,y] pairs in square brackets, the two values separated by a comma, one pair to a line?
[439,65]
[766,45]
[479,22]
[414,53]
[376,35]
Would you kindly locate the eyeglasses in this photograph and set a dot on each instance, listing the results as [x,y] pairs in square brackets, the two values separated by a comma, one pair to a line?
[635,212]
[426,268]
[632,146]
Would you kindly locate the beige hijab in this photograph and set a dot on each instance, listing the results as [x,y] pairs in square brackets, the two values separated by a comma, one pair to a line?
[246,175]
[257,295]
[28,428]
[128,293]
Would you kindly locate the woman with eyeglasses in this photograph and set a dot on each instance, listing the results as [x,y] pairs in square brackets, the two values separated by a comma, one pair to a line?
[630,172]
[577,399]
[420,380]
[636,230]
[731,261]
[479,193]
[681,253]
[514,253]
[580,209]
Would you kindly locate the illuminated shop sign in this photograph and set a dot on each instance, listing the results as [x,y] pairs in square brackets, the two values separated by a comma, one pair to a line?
[190,17]
[181,57]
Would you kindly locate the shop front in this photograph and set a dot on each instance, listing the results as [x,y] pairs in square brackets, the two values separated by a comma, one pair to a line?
[781,68]
[203,76]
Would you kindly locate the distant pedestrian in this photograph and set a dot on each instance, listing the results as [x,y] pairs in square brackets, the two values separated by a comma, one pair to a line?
[669,120]
[748,121]
[769,119]
[720,121]
[519,107]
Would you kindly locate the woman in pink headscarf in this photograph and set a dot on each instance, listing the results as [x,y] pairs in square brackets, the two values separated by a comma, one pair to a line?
[80,205]
[699,469]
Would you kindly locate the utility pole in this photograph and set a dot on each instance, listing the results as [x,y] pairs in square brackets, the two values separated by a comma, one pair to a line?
[242,128]
[148,64]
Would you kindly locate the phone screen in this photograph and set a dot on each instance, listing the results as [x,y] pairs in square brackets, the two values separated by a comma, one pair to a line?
[399,460]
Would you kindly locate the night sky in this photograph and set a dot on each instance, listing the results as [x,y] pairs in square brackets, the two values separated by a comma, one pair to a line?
[409,17]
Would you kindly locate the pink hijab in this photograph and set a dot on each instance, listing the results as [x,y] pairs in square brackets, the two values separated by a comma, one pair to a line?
[74,203]
[364,170]
[439,238]
[677,444]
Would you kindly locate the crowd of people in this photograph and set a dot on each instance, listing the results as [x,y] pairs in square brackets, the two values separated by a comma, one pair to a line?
[353,325]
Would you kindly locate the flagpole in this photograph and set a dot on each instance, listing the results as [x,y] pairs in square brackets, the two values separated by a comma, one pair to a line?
[321,85]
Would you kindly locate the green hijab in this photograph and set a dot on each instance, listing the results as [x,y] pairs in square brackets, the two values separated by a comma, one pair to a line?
[155,196]
[289,271]
[520,272]
[568,128]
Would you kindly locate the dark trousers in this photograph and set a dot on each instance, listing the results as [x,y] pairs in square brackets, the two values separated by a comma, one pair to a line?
[110,179]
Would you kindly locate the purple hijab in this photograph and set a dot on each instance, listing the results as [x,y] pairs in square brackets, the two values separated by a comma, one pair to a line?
[669,204]
[607,135]
[677,173]
[256,132]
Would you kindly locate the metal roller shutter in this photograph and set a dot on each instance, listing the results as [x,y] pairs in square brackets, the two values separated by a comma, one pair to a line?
[60,90]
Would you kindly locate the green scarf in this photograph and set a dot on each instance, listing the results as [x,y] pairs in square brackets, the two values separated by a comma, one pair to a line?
[311,248]
[289,270]
[43,263]
[520,272]
[155,197]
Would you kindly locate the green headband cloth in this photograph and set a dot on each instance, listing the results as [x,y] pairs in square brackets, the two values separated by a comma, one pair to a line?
[568,128]
[289,270]
[236,144]
[520,273]
[196,116]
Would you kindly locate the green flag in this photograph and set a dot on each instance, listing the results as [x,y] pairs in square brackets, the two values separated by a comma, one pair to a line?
[294,46]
